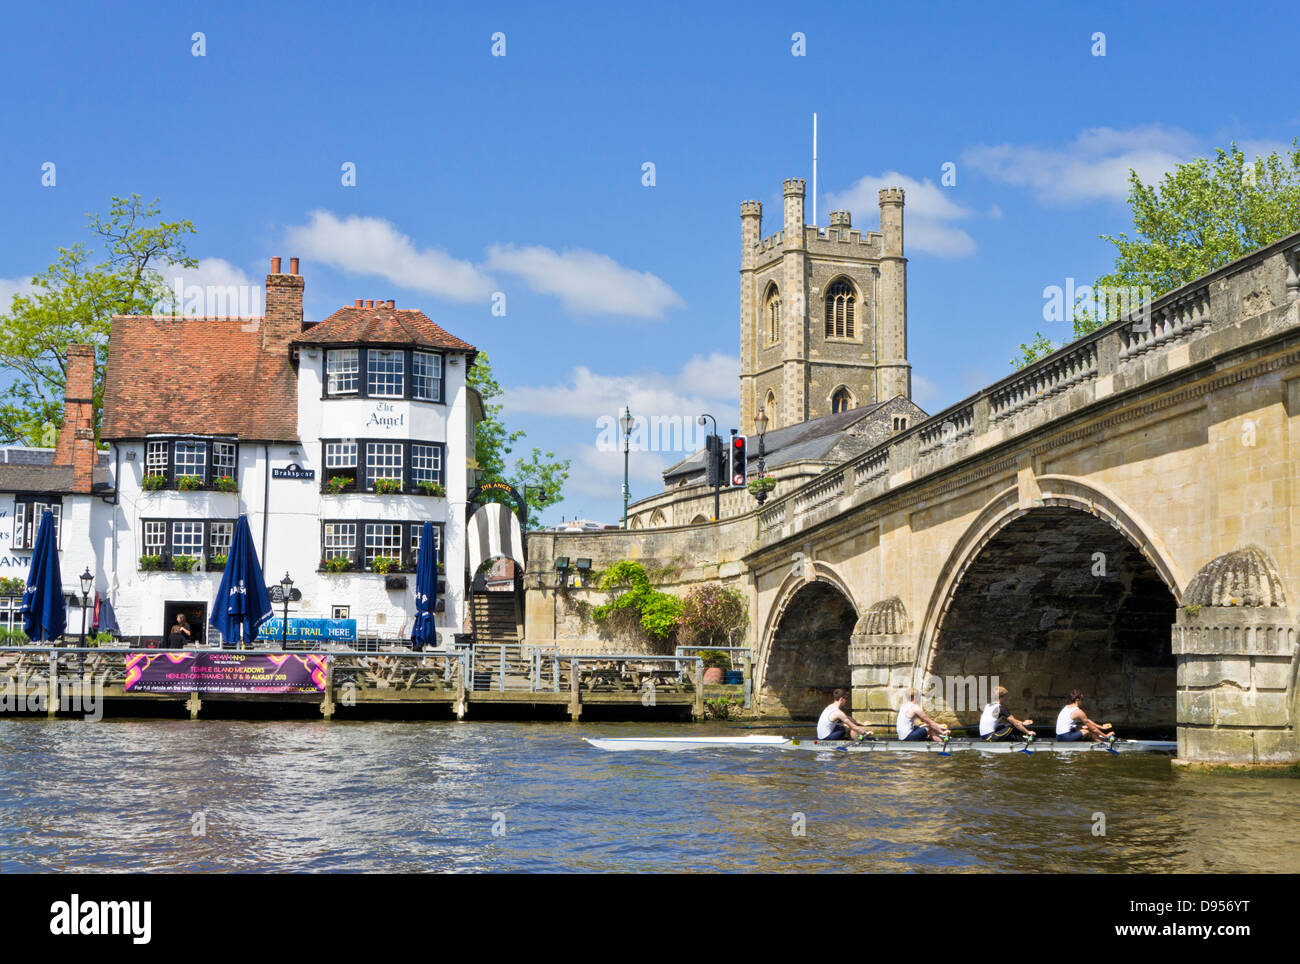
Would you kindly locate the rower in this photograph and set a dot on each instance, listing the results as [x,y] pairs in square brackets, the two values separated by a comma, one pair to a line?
[835,724]
[913,724]
[998,723]
[1072,723]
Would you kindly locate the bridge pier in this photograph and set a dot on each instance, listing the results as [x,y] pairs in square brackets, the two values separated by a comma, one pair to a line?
[1235,644]
[882,655]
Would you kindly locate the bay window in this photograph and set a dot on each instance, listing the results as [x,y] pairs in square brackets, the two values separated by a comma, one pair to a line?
[405,373]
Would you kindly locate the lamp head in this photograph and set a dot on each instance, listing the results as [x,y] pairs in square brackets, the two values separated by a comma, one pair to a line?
[760,421]
[625,420]
[87,582]
[286,583]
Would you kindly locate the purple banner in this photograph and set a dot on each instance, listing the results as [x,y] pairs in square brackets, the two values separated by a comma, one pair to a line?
[224,672]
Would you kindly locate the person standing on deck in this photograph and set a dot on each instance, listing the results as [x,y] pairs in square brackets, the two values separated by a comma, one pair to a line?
[1072,723]
[835,724]
[913,724]
[998,723]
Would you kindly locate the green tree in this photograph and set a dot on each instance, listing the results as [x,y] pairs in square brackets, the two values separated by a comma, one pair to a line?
[543,473]
[73,301]
[1199,217]
[634,602]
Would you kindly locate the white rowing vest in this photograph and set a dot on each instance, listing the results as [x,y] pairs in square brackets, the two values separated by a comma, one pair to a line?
[989,718]
[1064,724]
[905,714]
[825,723]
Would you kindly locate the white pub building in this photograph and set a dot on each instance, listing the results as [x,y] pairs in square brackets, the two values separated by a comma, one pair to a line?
[337,439]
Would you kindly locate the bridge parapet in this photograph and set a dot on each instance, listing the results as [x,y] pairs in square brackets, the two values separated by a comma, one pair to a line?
[1252,298]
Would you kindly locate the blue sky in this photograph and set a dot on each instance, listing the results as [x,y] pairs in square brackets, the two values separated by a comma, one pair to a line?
[523,173]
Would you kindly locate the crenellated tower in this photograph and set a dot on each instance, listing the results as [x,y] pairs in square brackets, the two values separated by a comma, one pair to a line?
[823,312]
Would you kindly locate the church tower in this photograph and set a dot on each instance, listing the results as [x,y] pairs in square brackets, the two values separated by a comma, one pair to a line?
[823,313]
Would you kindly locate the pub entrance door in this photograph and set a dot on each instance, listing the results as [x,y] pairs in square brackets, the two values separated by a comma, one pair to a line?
[196,614]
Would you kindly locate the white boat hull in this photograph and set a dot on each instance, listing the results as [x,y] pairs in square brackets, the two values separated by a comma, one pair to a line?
[680,743]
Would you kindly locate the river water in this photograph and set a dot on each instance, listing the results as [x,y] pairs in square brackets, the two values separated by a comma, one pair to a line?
[498,796]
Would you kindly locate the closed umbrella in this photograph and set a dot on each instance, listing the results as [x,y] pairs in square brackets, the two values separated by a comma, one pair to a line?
[242,602]
[426,591]
[44,611]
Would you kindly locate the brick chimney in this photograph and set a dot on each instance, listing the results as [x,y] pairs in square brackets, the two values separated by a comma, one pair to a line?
[76,443]
[283,319]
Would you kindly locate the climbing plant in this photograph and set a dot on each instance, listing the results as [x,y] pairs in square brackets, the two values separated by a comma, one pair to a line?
[633,601]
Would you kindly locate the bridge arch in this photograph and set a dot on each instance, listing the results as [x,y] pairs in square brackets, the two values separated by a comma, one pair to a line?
[1069,590]
[804,649]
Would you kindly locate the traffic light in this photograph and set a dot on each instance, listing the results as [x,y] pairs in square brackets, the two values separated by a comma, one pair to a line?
[739,464]
[711,461]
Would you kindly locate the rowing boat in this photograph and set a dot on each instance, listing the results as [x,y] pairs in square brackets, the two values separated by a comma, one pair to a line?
[756,742]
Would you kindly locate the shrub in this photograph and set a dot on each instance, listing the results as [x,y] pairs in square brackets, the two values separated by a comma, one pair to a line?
[634,601]
[714,657]
[713,614]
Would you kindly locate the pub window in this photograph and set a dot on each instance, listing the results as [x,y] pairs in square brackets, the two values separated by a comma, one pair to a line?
[223,460]
[384,373]
[190,458]
[340,540]
[426,376]
[416,529]
[383,539]
[383,461]
[342,372]
[187,539]
[157,458]
[11,617]
[426,463]
[27,521]
[341,460]
[219,537]
[155,538]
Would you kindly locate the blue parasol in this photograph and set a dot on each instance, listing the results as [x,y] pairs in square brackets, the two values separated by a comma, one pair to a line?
[44,610]
[242,602]
[426,591]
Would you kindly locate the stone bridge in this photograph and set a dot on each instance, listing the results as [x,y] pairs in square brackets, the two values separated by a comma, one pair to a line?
[1117,517]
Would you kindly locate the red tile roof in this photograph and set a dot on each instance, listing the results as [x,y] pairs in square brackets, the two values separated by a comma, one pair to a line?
[381,325]
[202,376]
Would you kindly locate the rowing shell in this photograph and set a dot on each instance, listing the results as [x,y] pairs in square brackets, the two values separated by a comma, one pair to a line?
[678,743]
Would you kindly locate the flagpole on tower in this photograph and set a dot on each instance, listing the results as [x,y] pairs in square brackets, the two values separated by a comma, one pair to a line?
[814,193]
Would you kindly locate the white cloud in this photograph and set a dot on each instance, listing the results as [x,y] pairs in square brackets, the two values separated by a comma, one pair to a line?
[10,287]
[927,216]
[1094,166]
[598,474]
[704,384]
[373,246]
[586,283]
[215,288]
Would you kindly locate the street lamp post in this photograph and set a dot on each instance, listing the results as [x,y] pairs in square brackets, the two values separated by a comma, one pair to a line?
[286,587]
[717,491]
[625,422]
[87,581]
[760,423]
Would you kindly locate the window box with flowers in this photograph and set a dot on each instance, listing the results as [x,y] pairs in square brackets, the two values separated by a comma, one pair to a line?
[225,483]
[385,564]
[189,483]
[154,483]
[216,563]
[436,489]
[336,564]
[184,563]
[150,563]
[338,484]
[12,587]
[388,486]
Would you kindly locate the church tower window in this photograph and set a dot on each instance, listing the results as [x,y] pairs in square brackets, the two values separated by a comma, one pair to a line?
[840,299]
[772,312]
[841,401]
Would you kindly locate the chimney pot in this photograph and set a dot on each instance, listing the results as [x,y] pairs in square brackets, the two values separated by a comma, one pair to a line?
[390,303]
[275,265]
[293,266]
[370,302]
[358,303]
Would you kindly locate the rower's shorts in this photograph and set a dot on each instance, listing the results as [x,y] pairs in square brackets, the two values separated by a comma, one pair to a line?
[838,732]
[1074,736]
[1001,733]
[918,733]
